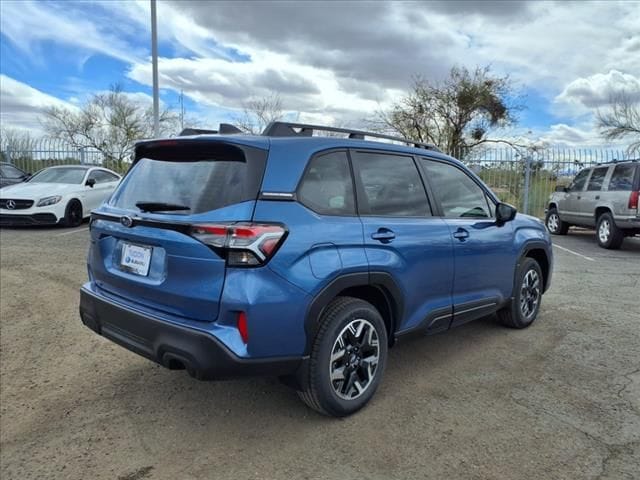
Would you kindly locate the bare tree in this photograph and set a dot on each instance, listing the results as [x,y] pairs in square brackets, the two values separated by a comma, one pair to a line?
[457,113]
[15,144]
[109,122]
[621,121]
[259,112]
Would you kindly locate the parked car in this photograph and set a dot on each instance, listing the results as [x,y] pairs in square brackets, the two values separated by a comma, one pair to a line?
[604,197]
[304,257]
[57,195]
[10,174]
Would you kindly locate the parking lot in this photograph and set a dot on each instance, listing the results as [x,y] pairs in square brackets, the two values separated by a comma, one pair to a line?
[560,400]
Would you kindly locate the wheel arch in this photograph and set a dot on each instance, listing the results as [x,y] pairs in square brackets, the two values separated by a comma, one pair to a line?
[539,252]
[377,288]
[600,210]
[74,200]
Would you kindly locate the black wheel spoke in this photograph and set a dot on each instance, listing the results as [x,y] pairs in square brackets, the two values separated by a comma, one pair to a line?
[354,359]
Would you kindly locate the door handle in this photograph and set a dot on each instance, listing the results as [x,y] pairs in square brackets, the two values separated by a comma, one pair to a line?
[383,235]
[579,197]
[597,197]
[461,234]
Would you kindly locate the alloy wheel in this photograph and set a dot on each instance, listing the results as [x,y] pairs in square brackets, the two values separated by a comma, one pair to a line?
[553,222]
[354,359]
[604,231]
[530,293]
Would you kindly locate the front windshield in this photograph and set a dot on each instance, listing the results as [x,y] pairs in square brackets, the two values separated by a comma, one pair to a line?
[59,175]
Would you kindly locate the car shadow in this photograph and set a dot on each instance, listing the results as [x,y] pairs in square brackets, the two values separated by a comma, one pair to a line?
[588,239]
[154,394]
[53,228]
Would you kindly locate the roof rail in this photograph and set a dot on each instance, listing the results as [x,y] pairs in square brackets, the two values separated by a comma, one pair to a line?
[287,129]
[619,161]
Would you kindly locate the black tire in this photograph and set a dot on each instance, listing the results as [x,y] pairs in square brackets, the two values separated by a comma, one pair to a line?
[72,214]
[554,224]
[516,315]
[608,235]
[318,390]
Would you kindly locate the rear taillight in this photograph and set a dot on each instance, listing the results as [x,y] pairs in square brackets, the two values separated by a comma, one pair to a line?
[244,244]
[633,200]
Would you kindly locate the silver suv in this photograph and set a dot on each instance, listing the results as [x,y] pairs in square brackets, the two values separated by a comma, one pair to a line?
[604,197]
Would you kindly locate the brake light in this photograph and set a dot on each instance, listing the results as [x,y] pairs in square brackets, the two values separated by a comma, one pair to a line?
[244,244]
[633,200]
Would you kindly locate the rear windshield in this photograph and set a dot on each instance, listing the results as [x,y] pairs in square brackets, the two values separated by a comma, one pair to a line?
[195,179]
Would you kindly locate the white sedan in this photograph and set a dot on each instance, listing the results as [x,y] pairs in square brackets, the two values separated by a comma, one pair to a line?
[64,195]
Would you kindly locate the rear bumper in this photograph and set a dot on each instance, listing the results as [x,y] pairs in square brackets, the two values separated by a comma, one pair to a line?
[204,356]
[628,223]
[33,219]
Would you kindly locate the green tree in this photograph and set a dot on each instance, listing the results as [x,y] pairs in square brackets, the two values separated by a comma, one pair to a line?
[455,114]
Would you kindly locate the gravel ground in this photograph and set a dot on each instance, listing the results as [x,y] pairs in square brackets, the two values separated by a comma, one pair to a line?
[560,400]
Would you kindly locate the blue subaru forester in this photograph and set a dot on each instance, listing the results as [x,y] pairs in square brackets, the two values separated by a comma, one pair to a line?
[303,256]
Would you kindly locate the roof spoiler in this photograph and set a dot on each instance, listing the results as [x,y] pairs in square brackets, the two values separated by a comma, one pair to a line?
[223,129]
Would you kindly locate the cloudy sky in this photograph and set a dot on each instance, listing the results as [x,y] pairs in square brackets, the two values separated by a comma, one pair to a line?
[334,62]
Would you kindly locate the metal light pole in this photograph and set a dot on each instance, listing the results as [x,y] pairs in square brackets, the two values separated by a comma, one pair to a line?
[154,66]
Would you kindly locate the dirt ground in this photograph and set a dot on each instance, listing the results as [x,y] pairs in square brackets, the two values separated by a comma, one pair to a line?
[560,400]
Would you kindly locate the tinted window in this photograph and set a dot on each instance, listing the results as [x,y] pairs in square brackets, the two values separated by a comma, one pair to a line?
[102,176]
[10,172]
[578,183]
[201,179]
[459,195]
[392,185]
[622,177]
[597,178]
[60,175]
[327,186]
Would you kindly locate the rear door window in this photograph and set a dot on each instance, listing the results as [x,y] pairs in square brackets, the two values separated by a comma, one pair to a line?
[391,186]
[597,179]
[200,177]
[622,178]
[327,186]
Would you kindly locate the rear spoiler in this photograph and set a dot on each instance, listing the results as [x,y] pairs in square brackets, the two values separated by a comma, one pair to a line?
[224,129]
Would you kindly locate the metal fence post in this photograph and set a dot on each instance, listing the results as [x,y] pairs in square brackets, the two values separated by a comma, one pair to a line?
[527,181]
[83,160]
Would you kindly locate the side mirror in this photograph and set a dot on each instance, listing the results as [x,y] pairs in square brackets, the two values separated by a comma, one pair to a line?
[90,182]
[505,213]
[560,188]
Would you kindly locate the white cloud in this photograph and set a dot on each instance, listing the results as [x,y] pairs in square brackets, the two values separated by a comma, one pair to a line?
[339,62]
[21,105]
[598,90]
[217,82]
[28,24]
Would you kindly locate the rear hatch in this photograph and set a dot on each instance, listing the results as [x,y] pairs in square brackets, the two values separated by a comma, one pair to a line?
[142,246]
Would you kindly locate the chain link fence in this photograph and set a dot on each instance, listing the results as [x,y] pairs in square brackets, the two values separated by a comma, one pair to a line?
[523,177]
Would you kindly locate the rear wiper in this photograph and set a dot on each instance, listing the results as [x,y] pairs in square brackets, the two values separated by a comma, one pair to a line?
[160,207]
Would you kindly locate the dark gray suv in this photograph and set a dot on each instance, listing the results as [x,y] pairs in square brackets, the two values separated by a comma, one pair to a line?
[604,197]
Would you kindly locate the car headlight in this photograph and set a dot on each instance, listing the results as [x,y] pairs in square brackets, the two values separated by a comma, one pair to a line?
[43,202]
